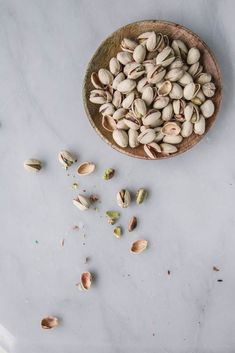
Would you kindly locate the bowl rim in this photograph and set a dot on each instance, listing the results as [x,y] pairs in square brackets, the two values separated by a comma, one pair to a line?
[113,145]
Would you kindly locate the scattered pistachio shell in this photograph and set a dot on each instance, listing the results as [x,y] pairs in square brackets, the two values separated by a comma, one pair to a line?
[82,202]
[132,224]
[108,173]
[49,322]
[123,198]
[141,196]
[33,165]
[112,216]
[85,280]
[86,168]
[138,246]
[117,232]
[66,158]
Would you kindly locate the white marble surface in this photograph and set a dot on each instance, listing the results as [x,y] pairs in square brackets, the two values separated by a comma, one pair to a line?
[134,306]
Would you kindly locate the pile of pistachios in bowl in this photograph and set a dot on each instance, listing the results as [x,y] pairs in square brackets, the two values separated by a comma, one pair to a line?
[155,93]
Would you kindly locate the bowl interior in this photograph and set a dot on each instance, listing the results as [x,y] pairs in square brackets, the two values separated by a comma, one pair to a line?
[111,46]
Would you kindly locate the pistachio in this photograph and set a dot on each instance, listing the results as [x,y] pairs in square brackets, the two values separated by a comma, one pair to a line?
[96,81]
[151,42]
[174,74]
[114,66]
[148,95]
[124,57]
[132,224]
[176,91]
[85,280]
[108,173]
[142,84]
[168,148]
[165,88]
[86,168]
[119,113]
[109,123]
[112,216]
[191,90]
[139,246]
[208,89]
[128,45]
[179,48]
[66,159]
[33,165]
[187,129]
[156,74]
[151,118]
[107,109]
[141,196]
[99,96]
[207,108]
[127,102]
[105,76]
[123,198]
[193,56]
[117,99]
[200,126]
[167,112]
[161,102]
[49,322]
[185,79]
[132,122]
[146,136]
[139,53]
[165,57]
[139,108]
[135,71]
[133,138]
[117,232]
[173,139]
[171,129]
[152,149]
[195,69]
[82,202]
[118,79]
[203,78]
[126,86]
[120,137]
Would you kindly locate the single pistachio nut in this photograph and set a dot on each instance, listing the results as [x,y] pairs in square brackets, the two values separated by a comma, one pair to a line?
[120,137]
[128,45]
[133,138]
[141,196]
[126,86]
[100,96]
[117,231]
[114,66]
[193,56]
[146,136]
[208,89]
[152,149]
[112,216]
[105,76]
[139,53]
[173,139]
[82,202]
[139,246]
[66,159]
[186,128]
[123,198]
[85,280]
[33,165]
[200,126]
[86,168]
[168,148]
[132,224]
[108,173]
[207,108]
[124,57]
[118,79]
[49,322]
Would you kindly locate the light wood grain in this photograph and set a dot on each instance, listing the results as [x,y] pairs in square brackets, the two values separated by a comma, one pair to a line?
[111,46]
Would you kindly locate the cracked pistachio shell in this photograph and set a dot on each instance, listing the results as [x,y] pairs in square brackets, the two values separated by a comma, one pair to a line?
[135,71]
[121,125]
[164,88]
[186,129]
[120,113]
[171,128]
[86,168]
[120,137]
[141,196]
[105,76]
[139,53]
[199,98]
[195,69]
[107,109]
[191,112]
[33,165]
[143,37]
[133,138]
[176,91]
[117,99]
[179,48]
[139,108]
[85,280]
[49,322]
[152,149]
[203,78]
[207,108]
[139,246]
[168,148]
[167,112]
[177,64]
[98,96]
[200,126]
[114,66]
[148,95]
[173,139]
[165,57]
[117,232]
[193,56]
[66,158]
[159,136]
[119,78]
[161,102]
[124,57]
[156,74]
[112,216]
[191,90]
[82,202]
[127,102]
[123,198]
[146,136]
[174,74]
[151,118]
[109,123]
[178,106]
[132,122]
[185,79]
[149,65]
[142,84]
[208,89]
[96,81]
[128,45]
[126,86]
[151,42]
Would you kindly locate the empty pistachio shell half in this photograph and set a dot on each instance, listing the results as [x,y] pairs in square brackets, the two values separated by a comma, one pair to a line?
[139,246]
[49,322]
[171,128]
[33,165]
[66,159]
[85,280]
[86,168]
[123,198]
[82,202]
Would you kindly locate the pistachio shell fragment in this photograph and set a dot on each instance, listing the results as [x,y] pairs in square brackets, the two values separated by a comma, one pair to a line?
[112,216]
[123,198]
[85,280]
[139,246]
[82,202]
[117,232]
[171,128]
[108,173]
[109,123]
[33,165]
[49,322]
[141,196]
[86,168]
[132,224]
[66,159]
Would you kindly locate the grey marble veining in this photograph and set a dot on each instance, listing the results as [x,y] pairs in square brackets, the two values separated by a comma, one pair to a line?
[134,306]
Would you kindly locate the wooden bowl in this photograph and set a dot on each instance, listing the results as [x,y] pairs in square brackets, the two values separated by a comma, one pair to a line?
[111,46]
